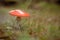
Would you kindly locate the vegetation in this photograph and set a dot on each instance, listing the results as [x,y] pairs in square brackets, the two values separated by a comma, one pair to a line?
[43,23]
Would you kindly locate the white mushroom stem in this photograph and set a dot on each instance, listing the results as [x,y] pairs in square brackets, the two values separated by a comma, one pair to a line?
[18,19]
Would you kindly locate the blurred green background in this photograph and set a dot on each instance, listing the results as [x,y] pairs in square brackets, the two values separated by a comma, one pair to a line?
[43,23]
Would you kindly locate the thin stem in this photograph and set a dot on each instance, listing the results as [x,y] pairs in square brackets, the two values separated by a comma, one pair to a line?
[19,27]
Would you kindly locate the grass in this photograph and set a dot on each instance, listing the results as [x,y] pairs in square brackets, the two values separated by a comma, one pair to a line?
[44,22]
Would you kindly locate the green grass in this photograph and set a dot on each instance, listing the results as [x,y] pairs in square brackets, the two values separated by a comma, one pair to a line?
[44,22]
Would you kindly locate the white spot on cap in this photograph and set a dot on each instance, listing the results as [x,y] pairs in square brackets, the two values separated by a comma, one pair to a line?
[21,12]
[11,11]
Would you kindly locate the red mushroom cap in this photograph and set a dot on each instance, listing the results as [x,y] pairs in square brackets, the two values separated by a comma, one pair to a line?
[19,13]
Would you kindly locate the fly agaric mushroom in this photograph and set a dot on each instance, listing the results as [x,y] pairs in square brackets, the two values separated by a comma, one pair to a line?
[18,14]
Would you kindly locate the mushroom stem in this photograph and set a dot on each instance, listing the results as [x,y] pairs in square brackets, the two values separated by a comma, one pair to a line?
[18,22]
[18,19]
